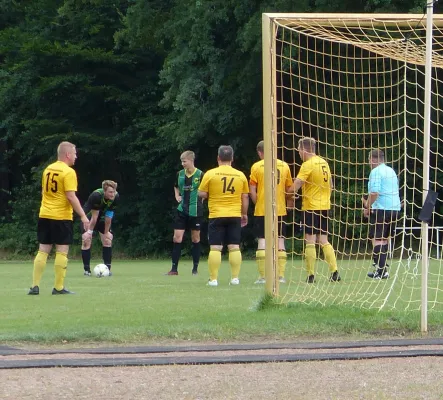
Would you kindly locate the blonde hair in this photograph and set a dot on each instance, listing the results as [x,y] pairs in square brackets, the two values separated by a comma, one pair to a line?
[307,144]
[63,148]
[108,183]
[188,155]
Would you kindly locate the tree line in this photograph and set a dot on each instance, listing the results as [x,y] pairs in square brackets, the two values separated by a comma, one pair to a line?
[132,83]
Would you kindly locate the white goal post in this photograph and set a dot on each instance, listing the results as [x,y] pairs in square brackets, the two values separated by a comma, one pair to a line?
[356,82]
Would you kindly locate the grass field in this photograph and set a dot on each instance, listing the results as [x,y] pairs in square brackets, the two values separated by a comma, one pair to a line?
[139,304]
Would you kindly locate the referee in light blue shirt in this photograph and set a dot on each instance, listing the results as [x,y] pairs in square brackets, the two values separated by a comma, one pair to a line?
[383,207]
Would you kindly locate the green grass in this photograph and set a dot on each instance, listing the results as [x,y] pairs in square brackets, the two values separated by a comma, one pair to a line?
[141,305]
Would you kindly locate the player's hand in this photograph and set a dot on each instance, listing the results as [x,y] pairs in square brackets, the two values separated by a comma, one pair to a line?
[244,221]
[179,199]
[366,213]
[109,236]
[290,203]
[85,221]
[86,236]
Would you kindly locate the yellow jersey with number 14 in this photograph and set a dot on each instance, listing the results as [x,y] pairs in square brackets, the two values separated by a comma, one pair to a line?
[225,186]
[57,179]
[316,190]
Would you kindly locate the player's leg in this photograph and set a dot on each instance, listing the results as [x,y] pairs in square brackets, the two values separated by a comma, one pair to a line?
[216,233]
[282,256]
[107,249]
[63,239]
[179,231]
[86,251]
[310,233]
[380,244]
[40,260]
[328,250]
[195,238]
[233,237]
[260,254]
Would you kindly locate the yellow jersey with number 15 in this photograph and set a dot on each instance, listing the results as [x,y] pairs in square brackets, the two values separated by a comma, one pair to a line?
[316,189]
[57,179]
[225,186]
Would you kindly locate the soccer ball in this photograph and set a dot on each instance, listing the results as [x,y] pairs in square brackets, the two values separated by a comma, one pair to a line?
[101,270]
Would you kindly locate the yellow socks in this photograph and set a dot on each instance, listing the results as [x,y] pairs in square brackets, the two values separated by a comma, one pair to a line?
[260,258]
[235,260]
[310,257]
[214,261]
[282,263]
[39,267]
[60,265]
[329,253]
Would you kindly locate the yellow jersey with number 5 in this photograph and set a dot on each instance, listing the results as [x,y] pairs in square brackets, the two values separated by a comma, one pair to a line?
[225,186]
[317,186]
[57,179]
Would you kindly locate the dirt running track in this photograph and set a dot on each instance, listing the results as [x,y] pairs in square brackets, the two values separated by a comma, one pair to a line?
[396,369]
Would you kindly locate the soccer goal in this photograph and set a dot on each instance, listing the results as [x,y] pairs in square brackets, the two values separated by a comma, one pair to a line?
[356,83]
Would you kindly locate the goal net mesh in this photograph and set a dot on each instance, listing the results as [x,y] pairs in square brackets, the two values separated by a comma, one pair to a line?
[357,84]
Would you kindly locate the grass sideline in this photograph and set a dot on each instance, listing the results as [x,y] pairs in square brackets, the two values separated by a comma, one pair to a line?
[139,304]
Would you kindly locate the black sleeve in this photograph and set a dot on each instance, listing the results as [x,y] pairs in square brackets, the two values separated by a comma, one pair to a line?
[94,201]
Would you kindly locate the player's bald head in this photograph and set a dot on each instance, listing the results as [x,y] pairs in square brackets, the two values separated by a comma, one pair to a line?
[64,148]
[225,153]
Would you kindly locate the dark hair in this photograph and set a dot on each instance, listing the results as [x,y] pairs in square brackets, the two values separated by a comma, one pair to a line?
[377,154]
[226,153]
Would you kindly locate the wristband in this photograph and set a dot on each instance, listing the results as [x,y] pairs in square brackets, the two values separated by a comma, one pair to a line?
[91,232]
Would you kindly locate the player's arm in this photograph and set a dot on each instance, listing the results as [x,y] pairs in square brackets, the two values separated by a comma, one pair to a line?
[93,220]
[298,183]
[75,203]
[177,194]
[244,209]
[253,192]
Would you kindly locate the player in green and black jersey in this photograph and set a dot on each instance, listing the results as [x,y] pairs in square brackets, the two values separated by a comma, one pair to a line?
[100,209]
[189,211]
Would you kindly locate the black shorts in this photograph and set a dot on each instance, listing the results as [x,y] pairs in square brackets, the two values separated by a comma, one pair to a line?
[224,230]
[259,225]
[99,227]
[184,222]
[315,222]
[383,224]
[51,231]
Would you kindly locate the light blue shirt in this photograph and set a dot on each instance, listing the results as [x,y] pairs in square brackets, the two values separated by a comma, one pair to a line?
[383,180]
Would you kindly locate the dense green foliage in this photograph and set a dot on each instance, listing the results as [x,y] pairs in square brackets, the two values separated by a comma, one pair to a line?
[132,83]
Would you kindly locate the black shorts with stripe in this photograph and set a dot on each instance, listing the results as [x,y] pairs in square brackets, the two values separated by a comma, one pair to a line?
[185,222]
[224,230]
[383,223]
[52,231]
[315,222]
[99,227]
[259,227]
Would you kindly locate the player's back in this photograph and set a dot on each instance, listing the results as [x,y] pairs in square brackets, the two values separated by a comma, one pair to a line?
[317,188]
[58,178]
[284,180]
[225,186]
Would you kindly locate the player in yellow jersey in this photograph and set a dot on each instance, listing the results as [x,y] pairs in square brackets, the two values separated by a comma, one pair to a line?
[257,193]
[226,189]
[55,226]
[315,180]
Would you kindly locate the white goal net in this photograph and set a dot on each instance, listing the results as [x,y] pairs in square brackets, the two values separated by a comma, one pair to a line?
[356,83]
